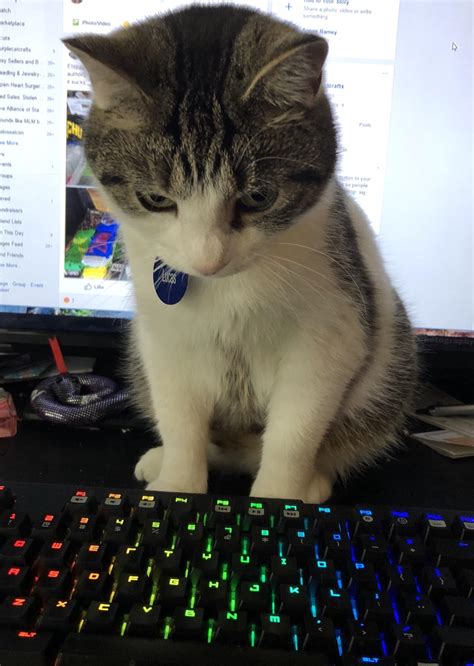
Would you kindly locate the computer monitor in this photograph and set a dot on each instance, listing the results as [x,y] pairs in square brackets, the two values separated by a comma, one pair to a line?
[400,77]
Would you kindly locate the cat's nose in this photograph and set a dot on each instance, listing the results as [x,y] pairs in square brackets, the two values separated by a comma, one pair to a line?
[210,267]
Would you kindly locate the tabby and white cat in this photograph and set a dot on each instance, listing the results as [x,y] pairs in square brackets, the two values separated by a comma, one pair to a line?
[290,354]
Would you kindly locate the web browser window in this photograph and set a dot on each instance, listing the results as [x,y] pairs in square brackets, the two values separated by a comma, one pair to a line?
[399,76]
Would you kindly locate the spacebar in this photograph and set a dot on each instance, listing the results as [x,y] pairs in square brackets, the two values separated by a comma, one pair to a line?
[88,650]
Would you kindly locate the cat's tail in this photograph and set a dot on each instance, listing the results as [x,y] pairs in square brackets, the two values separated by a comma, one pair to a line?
[235,452]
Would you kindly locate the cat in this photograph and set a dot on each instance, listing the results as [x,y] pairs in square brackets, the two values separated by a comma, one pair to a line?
[290,355]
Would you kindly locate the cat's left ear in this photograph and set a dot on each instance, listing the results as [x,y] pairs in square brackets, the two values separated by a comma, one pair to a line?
[292,78]
[112,88]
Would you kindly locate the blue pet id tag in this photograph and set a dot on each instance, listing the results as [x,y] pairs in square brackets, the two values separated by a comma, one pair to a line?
[170,285]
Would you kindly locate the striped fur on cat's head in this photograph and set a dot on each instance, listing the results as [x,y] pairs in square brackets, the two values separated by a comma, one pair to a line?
[210,132]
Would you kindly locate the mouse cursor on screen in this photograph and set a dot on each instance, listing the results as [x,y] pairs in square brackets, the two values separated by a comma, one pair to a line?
[454,46]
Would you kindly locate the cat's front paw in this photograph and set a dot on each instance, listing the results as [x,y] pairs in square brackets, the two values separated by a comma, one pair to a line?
[178,486]
[272,490]
[148,468]
[320,489]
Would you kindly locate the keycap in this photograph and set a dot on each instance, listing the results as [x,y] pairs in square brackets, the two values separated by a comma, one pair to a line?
[15,580]
[19,551]
[18,612]
[83,528]
[336,604]
[119,531]
[172,591]
[300,545]
[399,577]
[232,627]
[373,548]
[6,498]
[408,641]
[222,510]
[181,508]
[367,521]
[155,533]
[144,620]
[227,538]
[435,525]
[264,542]
[362,575]
[453,643]
[25,647]
[59,615]
[148,507]
[190,536]
[294,599]
[466,583]
[207,563]
[291,516]
[284,569]
[418,609]
[93,586]
[364,638]
[463,527]
[168,560]
[324,573]
[50,526]
[438,582]
[401,523]
[320,636]
[254,596]
[337,547]
[365,659]
[78,647]
[132,588]
[454,554]
[93,556]
[101,618]
[130,559]
[213,593]
[115,505]
[188,624]
[275,631]
[256,512]
[458,611]
[54,555]
[377,607]
[410,550]
[14,524]
[53,584]
[81,502]
[245,566]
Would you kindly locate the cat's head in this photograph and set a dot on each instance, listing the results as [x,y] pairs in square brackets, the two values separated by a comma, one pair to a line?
[209,131]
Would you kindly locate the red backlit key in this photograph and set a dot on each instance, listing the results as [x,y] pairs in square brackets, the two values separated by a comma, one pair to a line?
[15,580]
[18,551]
[6,498]
[25,647]
[53,584]
[81,503]
[18,612]
[54,554]
[14,524]
[50,526]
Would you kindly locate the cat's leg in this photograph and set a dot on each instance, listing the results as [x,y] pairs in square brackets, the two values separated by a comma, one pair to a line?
[148,468]
[307,396]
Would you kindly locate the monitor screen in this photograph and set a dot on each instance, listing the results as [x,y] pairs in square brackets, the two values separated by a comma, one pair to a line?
[400,77]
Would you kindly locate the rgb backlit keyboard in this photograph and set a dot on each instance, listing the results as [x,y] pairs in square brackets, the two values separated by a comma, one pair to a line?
[92,576]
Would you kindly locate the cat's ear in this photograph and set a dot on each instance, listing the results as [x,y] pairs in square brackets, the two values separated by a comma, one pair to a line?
[292,77]
[111,86]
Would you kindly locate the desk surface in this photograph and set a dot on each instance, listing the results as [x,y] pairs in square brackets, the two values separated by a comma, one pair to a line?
[41,452]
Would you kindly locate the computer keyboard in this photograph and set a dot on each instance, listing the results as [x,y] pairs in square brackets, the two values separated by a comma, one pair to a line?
[99,576]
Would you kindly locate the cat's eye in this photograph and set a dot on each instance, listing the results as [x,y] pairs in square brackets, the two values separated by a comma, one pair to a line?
[257,200]
[155,203]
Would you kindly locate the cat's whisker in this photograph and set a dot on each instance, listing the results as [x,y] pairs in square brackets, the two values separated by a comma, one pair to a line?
[285,159]
[327,256]
[247,146]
